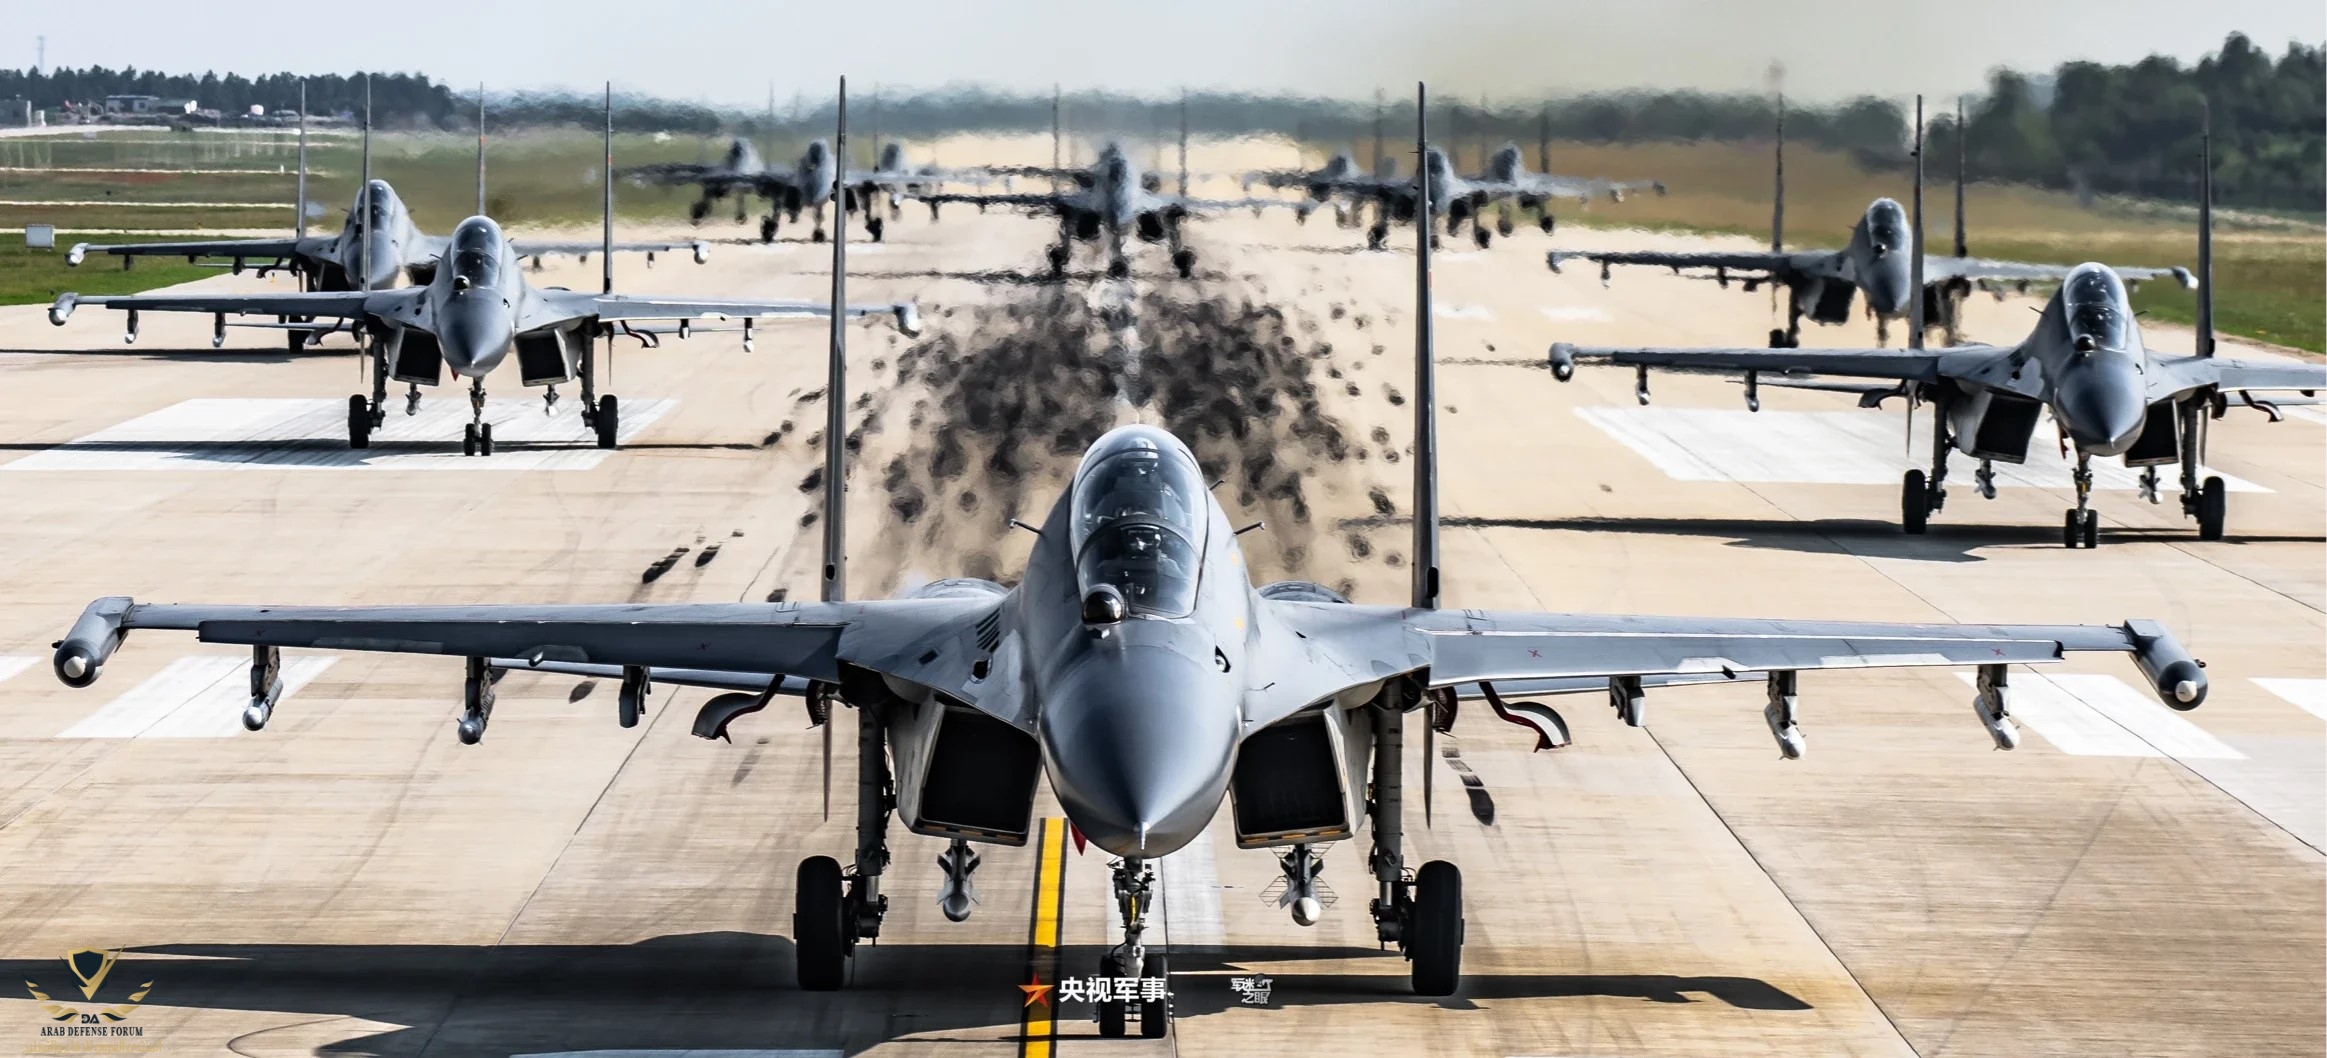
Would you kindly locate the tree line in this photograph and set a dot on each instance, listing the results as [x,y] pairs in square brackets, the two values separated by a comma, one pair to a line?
[399,98]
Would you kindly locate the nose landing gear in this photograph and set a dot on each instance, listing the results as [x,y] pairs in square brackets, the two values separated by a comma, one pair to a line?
[1138,977]
[2082,525]
[477,438]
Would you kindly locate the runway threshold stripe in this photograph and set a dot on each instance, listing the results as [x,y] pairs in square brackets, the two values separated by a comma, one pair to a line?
[2306,694]
[1038,1027]
[197,696]
[11,664]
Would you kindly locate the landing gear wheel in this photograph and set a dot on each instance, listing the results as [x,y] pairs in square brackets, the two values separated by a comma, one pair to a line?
[1547,223]
[768,229]
[1435,943]
[485,439]
[2092,529]
[1504,227]
[1482,237]
[699,210]
[1119,269]
[2069,529]
[297,340]
[817,236]
[359,422]
[469,439]
[819,926]
[1375,238]
[1777,338]
[1185,262]
[874,226]
[1058,262]
[1914,502]
[1155,1015]
[1111,1011]
[2213,509]
[608,421]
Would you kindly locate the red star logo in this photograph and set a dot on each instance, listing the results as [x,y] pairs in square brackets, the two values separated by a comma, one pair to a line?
[1036,993]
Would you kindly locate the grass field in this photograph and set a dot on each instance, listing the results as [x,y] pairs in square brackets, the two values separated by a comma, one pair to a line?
[2270,272]
[29,277]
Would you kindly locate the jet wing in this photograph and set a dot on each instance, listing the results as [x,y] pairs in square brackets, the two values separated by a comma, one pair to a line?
[1908,364]
[2180,374]
[913,639]
[402,306]
[712,679]
[1937,269]
[547,307]
[1742,264]
[1030,200]
[238,249]
[535,248]
[1464,647]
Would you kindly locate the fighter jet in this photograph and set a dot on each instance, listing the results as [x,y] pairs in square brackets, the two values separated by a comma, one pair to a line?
[1137,668]
[1506,179]
[1822,284]
[475,310]
[1111,202]
[1460,198]
[2085,363]
[808,185]
[378,244]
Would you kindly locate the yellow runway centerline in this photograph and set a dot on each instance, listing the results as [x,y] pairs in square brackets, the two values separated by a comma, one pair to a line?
[1038,1036]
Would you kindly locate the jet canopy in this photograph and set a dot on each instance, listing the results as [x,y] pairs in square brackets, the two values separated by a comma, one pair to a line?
[1886,225]
[476,252]
[1139,517]
[2093,303]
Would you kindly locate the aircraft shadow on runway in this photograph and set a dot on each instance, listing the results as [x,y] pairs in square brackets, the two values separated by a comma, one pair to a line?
[202,354]
[1852,536]
[735,990]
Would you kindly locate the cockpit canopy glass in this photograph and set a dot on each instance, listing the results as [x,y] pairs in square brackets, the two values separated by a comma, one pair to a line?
[377,199]
[2095,302]
[476,253]
[1886,225]
[1139,525]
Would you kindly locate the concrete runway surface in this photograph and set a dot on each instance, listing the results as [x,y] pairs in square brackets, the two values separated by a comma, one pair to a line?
[352,881]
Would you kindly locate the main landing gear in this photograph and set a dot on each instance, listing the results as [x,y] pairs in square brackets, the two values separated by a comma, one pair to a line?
[1791,337]
[365,415]
[1920,495]
[1421,914]
[2206,501]
[832,910]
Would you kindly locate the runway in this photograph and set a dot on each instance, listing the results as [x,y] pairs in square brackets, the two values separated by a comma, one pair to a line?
[352,881]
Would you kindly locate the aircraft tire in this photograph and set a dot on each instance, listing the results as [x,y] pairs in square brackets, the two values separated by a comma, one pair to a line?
[2068,529]
[485,439]
[2213,509]
[469,439]
[2092,529]
[1155,1015]
[1914,503]
[819,926]
[359,422]
[1436,929]
[609,421]
[1111,1011]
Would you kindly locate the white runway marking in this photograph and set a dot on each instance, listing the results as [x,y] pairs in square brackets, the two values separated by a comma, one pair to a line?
[2315,414]
[1574,314]
[251,433]
[11,664]
[1464,312]
[2310,695]
[199,696]
[2103,716]
[694,1053]
[1828,448]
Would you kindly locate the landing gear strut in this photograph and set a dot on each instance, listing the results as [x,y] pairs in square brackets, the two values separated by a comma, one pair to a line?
[364,416]
[832,910]
[1422,915]
[477,438]
[2206,501]
[1922,496]
[1134,883]
[2081,526]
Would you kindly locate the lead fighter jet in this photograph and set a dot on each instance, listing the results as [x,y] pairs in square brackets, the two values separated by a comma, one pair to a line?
[1139,669]
[2085,363]
[1875,263]
[476,309]
[378,243]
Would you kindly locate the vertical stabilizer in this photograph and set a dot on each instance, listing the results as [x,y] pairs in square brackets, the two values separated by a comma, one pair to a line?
[1425,373]
[606,203]
[1777,216]
[1962,241]
[299,225]
[480,148]
[1183,143]
[836,387]
[360,275]
[1915,291]
[2206,233]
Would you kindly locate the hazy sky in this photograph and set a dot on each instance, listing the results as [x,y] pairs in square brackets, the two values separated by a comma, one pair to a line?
[729,54]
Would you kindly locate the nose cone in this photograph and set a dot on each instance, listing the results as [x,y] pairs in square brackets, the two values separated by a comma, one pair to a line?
[475,330]
[1888,284]
[2102,410]
[1138,745]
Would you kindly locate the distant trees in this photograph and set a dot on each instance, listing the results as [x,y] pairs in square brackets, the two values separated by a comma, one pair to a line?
[403,99]
[2134,129]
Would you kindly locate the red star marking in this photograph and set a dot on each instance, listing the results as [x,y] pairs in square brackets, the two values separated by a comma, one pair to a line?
[1036,993]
